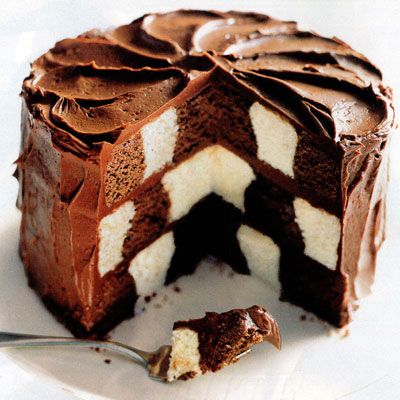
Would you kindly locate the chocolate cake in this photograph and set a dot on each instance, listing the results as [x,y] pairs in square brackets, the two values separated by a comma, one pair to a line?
[217,340]
[193,133]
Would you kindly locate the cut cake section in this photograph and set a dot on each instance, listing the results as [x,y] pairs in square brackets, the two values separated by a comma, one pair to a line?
[217,340]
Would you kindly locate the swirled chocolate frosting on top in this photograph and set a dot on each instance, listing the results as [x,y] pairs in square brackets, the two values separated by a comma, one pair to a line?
[149,146]
[96,84]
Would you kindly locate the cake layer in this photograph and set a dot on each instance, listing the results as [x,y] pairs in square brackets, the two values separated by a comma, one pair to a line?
[149,146]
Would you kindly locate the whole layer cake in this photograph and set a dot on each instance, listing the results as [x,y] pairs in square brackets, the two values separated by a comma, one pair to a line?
[148,147]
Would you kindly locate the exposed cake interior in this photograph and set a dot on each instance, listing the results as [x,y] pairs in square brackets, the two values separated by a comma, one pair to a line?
[223,186]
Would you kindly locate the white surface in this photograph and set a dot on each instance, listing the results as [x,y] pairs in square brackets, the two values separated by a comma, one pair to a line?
[312,364]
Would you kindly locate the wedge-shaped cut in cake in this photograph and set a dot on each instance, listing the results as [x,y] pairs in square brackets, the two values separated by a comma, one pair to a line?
[217,340]
[194,133]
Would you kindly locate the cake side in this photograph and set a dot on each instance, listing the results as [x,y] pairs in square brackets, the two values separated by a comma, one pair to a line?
[58,200]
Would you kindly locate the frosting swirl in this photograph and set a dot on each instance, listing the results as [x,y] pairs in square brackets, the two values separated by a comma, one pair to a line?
[93,86]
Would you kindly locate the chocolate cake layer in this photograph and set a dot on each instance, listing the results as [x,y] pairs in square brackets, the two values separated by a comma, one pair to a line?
[147,147]
[217,340]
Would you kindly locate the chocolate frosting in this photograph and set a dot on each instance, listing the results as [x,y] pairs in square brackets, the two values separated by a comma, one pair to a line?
[100,82]
[267,325]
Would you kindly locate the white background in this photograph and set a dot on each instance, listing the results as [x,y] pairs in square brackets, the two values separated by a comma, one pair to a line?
[28,28]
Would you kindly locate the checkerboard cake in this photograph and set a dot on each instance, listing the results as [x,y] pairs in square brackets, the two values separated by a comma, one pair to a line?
[147,147]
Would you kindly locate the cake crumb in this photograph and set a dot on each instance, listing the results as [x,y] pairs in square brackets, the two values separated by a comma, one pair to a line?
[97,349]
[107,361]
[157,305]
[177,289]
[164,299]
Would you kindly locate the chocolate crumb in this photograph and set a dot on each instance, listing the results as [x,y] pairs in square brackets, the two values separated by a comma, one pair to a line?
[107,361]
[154,294]
[177,289]
[303,317]
[147,299]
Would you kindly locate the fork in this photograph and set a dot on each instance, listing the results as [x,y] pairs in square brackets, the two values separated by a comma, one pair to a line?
[156,362]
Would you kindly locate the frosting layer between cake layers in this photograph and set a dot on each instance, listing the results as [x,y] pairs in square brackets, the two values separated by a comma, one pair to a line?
[148,147]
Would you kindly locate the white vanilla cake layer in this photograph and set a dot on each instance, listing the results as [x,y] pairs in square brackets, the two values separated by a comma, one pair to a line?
[159,139]
[276,138]
[112,231]
[212,170]
[321,232]
[185,355]
[262,255]
[149,267]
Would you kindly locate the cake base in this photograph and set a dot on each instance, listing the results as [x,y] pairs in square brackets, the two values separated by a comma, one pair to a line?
[121,310]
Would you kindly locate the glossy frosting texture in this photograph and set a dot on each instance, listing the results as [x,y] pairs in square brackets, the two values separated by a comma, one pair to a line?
[98,83]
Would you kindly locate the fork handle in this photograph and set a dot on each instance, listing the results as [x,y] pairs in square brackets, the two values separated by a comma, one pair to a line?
[12,339]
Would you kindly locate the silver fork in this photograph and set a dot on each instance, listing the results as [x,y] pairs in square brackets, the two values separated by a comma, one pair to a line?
[156,362]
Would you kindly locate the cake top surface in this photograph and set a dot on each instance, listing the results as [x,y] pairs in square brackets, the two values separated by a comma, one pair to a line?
[91,87]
